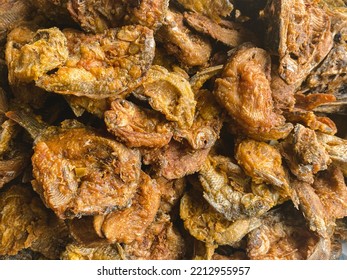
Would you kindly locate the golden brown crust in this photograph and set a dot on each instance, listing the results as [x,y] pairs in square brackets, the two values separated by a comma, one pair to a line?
[125,226]
[190,48]
[244,91]
[79,172]
[183,129]
[137,127]
[301,36]
[212,8]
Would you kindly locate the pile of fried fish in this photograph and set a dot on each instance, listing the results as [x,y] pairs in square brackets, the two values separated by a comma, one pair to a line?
[182,129]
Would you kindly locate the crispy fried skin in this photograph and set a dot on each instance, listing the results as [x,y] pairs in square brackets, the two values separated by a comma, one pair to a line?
[341,229]
[336,148]
[209,226]
[244,91]
[52,237]
[312,121]
[313,209]
[78,172]
[19,214]
[25,222]
[46,50]
[230,191]
[98,16]
[75,251]
[14,157]
[8,131]
[283,235]
[189,48]
[175,160]
[89,65]
[331,189]
[283,94]
[103,65]
[171,192]
[263,163]
[13,167]
[125,226]
[164,130]
[161,241]
[311,101]
[136,126]
[304,154]
[81,104]
[229,33]
[201,77]
[300,33]
[215,9]
[207,124]
[150,13]
[170,94]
